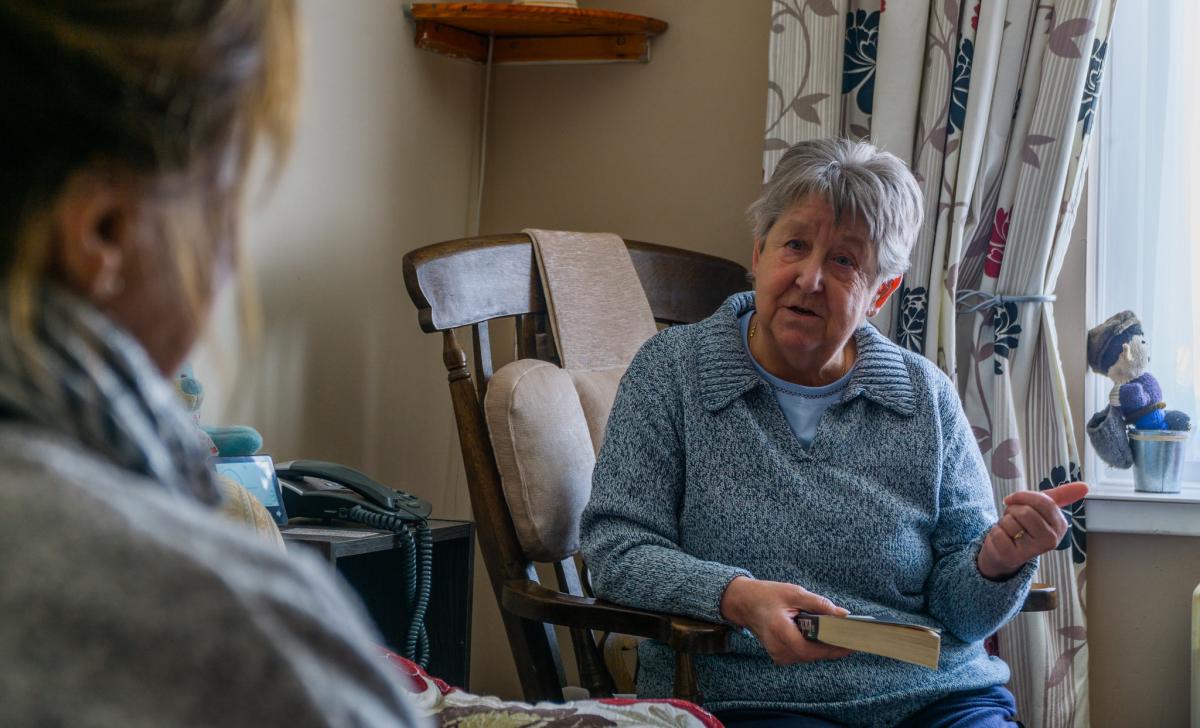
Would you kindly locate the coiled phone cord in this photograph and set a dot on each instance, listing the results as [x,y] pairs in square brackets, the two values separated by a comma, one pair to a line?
[418,582]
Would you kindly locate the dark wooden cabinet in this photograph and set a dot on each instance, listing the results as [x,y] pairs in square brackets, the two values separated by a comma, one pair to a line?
[369,559]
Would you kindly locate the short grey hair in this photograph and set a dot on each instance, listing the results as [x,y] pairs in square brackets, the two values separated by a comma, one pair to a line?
[861,183]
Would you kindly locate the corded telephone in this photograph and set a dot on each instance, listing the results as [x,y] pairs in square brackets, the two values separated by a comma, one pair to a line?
[316,489]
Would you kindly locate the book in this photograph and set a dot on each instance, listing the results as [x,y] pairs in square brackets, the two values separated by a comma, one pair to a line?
[897,640]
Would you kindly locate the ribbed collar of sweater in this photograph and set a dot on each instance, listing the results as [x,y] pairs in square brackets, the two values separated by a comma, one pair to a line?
[727,373]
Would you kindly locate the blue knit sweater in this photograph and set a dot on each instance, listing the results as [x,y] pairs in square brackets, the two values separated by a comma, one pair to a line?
[700,479]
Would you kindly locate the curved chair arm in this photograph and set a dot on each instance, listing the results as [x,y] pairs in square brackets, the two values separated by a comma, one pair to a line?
[687,636]
[535,602]
[1042,598]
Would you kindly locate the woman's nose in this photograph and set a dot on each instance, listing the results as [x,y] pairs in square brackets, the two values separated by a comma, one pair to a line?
[809,276]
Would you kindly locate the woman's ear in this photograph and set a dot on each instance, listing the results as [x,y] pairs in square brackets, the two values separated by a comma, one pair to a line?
[95,221]
[758,246]
[883,293]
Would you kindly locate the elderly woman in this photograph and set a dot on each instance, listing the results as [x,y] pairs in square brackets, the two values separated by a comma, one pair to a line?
[126,134]
[783,456]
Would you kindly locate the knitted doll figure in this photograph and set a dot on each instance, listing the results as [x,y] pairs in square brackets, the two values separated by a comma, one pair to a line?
[1118,349]
[192,395]
[227,441]
[236,502]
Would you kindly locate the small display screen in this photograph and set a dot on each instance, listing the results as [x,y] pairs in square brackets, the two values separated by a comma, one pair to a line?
[255,473]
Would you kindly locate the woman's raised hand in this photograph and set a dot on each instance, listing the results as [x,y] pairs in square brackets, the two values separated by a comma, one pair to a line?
[1032,524]
[767,609]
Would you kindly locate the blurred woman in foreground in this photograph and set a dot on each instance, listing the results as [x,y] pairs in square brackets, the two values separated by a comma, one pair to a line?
[126,135]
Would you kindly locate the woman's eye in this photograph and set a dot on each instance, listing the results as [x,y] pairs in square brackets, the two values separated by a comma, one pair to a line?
[794,244]
[844,260]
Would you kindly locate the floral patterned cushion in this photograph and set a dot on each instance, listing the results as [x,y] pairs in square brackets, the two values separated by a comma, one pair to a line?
[450,706]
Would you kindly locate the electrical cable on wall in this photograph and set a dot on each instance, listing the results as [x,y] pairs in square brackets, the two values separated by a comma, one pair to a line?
[483,129]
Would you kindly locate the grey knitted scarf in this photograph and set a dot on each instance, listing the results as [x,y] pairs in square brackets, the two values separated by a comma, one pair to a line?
[81,375]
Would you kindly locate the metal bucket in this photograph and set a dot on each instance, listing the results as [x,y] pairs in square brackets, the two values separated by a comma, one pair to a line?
[1157,459]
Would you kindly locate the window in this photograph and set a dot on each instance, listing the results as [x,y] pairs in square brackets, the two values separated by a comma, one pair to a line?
[1146,178]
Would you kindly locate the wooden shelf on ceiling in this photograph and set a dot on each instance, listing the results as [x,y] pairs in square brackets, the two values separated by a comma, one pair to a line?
[533,34]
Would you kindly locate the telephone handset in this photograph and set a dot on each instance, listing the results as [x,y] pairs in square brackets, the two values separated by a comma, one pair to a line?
[316,489]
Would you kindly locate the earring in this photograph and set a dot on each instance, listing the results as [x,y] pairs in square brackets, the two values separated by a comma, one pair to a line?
[108,287]
[753,329]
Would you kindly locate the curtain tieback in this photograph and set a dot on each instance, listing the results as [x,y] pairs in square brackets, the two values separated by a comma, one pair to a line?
[972,301]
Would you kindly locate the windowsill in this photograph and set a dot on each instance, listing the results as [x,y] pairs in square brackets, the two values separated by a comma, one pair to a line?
[1115,507]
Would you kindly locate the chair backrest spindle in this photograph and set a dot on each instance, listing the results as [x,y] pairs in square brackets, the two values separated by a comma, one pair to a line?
[481,341]
[588,658]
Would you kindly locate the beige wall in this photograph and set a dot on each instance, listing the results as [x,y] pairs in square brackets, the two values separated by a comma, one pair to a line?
[666,152]
[1139,623]
[384,162]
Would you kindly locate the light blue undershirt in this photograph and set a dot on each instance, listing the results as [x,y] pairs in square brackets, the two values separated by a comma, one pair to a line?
[802,406]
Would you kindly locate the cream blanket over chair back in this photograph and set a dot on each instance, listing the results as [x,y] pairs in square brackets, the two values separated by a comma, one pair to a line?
[597,308]
[547,423]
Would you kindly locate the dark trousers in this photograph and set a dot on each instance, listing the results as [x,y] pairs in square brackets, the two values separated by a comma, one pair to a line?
[987,708]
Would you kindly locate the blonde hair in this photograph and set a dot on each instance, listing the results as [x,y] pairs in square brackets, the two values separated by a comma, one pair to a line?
[176,92]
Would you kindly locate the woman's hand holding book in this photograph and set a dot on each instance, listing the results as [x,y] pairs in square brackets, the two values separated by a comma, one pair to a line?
[769,608]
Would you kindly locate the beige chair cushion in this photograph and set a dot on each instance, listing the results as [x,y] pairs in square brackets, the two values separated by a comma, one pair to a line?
[597,388]
[546,425]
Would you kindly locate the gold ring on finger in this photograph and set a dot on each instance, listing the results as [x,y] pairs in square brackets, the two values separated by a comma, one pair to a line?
[1019,535]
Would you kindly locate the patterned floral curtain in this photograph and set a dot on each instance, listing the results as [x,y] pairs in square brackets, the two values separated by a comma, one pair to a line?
[991,103]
